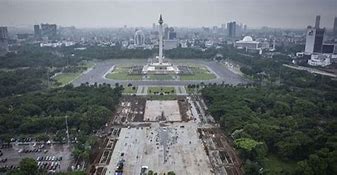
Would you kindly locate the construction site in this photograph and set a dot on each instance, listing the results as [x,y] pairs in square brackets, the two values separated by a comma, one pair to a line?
[164,136]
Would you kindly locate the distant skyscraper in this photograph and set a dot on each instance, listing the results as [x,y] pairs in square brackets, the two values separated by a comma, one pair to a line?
[223,27]
[139,38]
[314,40]
[37,31]
[317,22]
[154,26]
[3,40]
[231,28]
[335,27]
[49,30]
[171,34]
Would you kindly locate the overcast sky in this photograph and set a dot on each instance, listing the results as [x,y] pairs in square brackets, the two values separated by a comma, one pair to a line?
[186,13]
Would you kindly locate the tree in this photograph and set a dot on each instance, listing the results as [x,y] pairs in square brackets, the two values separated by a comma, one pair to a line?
[28,166]
[171,173]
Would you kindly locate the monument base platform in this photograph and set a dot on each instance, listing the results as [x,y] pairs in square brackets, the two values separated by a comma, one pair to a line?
[160,68]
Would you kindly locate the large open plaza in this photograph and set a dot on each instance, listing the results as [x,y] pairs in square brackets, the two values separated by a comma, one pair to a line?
[166,135]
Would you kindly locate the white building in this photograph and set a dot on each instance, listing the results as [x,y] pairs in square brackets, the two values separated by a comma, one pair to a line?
[319,60]
[247,43]
[209,43]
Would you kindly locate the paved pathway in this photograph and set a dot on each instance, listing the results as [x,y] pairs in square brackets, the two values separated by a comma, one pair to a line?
[102,68]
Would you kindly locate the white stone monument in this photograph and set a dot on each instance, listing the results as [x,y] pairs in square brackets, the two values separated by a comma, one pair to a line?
[159,66]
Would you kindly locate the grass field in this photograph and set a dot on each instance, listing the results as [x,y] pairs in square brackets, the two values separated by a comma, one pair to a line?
[160,77]
[273,165]
[161,90]
[122,73]
[65,78]
[199,73]
[192,90]
[130,90]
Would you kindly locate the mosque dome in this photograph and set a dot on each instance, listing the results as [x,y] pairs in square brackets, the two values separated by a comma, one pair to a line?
[247,39]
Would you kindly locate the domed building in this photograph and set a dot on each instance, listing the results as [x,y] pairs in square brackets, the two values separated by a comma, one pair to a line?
[247,43]
[139,38]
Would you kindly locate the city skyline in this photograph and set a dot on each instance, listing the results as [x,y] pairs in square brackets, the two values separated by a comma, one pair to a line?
[182,13]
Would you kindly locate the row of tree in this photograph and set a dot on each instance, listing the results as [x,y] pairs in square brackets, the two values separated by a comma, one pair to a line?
[87,108]
[291,116]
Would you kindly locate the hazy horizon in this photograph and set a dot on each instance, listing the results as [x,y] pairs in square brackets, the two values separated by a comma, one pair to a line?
[295,14]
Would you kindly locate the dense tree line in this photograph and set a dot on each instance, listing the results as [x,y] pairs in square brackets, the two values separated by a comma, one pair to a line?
[22,80]
[35,56]
[294,119]
[87,108]
[293,125]
[103,53]
[190,53]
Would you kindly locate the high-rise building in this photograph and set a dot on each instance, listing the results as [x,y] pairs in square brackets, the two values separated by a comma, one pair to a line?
[314,40]
[317,22]
[154,27]
[231,28]
[335,27]
[49,30]
[37,31]
[171,34]
[3,40]
[139,38]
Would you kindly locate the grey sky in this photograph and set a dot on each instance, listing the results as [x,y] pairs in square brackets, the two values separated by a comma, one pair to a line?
[187,13]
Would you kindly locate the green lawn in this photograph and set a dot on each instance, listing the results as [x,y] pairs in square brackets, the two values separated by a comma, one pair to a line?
[130,90]
[199,73]
[160,77]
[122,73]
[192,90]
[65,78]
[274,165]
[161,90]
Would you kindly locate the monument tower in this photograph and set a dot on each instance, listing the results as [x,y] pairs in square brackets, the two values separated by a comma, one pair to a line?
[158,65]
[160,57]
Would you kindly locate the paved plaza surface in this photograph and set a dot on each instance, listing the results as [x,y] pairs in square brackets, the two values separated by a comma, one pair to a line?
[156,110]
[162,149]
[192,144]
[97,74]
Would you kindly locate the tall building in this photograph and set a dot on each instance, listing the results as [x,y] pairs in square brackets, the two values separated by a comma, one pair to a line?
[139,38]
[37,31]
[3,40]
[231,28]
[314,38]
[171,35]
[317,22]
[335,27]
[49,30]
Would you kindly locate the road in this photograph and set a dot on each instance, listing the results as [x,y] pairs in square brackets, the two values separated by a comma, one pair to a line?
[97,74]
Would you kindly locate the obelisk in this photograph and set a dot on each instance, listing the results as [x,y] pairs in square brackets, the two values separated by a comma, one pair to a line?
[160,59]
